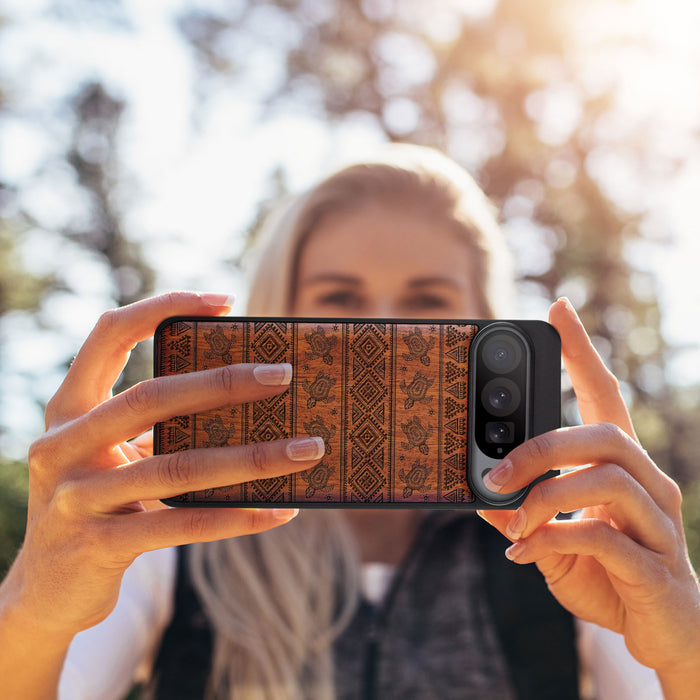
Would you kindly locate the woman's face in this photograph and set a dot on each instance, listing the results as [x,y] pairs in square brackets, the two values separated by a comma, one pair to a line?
[385,261]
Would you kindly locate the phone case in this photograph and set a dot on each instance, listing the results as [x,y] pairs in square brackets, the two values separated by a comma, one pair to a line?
[389,399]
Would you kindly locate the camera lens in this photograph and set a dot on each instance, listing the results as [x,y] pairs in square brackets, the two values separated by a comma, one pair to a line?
[499,432]
[500,396]
[502,353]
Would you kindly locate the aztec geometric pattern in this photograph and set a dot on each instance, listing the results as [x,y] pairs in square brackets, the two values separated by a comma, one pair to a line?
[388,399]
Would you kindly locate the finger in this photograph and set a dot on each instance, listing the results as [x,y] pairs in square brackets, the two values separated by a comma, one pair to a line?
[105,352]
[582,444]
[614,550]
[143,444]
[606,486]
[138,448]
[497,518]
[596,388]
[169,475]
[138,408]
[142,532]
[131,452]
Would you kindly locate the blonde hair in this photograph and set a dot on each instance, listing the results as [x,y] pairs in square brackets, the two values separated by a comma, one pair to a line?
[405,175]
[277,600]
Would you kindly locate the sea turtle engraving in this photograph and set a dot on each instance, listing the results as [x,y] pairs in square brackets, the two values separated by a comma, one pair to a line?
[416,391]
[416,434]
[219,345]
[319,389]
[217,432]
[317,428]
[415,478]
[418,346]
[317,478]
[320,345]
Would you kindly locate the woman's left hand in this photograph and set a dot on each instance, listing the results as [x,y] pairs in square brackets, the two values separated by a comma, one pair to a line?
[624,563]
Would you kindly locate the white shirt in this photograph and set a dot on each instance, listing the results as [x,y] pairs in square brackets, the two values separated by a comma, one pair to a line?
[104,661]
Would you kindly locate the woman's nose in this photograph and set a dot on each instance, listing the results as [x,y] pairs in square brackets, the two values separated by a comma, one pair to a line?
[382,308]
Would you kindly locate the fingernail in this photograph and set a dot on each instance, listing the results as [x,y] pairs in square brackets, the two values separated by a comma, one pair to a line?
[218,299]
[499,476]
[285,513]
[569,306]
[304,449]
[515,550]
[273,375]
[517,525]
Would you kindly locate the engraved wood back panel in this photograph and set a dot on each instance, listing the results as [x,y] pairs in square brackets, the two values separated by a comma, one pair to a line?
[388,399]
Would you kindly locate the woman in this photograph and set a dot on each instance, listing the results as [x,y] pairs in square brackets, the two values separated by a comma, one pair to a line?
[409,236]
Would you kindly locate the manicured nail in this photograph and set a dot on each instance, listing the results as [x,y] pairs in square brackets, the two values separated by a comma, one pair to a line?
[218,299]
[569,306]
[304,449]
[515,550]
[499,476]
[285,514]
[273,375]
[517,525]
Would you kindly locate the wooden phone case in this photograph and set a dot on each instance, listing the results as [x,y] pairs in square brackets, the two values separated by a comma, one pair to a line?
[389,400]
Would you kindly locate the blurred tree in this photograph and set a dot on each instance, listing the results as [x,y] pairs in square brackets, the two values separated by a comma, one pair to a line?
[94,156]
[18,291]
[87,171]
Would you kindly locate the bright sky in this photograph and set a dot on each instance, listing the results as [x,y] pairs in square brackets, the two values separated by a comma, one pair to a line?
[195,188]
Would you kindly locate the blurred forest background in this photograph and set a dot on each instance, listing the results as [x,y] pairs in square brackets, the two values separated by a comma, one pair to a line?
[580,119]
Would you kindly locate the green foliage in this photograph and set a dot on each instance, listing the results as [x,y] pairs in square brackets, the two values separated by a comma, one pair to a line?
[19,291]
[14,484]
[691,521]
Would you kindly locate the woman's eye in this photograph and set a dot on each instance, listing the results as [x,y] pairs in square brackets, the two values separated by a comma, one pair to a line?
[341,300]
[426,302]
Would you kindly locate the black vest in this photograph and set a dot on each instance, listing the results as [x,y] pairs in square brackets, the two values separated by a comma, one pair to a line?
[382,649]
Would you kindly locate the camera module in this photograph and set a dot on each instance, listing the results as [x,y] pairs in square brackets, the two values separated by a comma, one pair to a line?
[514,368]
[501,389]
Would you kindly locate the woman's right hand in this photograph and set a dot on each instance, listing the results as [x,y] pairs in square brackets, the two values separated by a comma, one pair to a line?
[88,513]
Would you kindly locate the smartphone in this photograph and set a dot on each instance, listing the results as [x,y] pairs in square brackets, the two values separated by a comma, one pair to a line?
[413,413]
